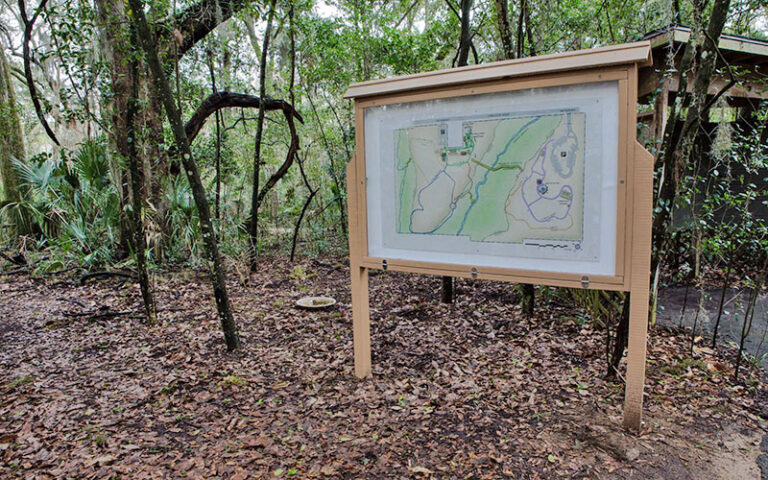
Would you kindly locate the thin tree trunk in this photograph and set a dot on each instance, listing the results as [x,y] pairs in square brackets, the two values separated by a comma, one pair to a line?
[520,30]
[529,32]
[254,226]
[312,193]
[217,274]
[29,25]
[622,339]
[685,305]
[698,283]
[217,208]
[528,301]
[502,18]
[724,290]
[465,38]
[137,204]
[749,316]
[700,309]
[447,290]
[675,12]
[746,327]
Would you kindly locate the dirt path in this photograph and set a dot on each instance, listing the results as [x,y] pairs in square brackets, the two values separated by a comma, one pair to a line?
[672,300]
[471,391]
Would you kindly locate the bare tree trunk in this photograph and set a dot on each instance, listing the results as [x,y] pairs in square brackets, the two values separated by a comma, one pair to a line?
[137,186]
[620,343]
[176,34]
[529,32]
[113,18]
[217,208]
[724,290]
[520,29]
[447,290]
[465,38]
[312,193]
[685,305]
[528,301]
[11,147]
[29,25]
[217,274]
[749,316]
[254,226]
[675,12]
[502,18]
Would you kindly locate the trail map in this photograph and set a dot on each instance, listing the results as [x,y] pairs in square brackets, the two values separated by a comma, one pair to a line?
[504,180]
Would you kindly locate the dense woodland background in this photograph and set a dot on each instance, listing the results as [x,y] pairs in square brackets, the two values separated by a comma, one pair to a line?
[138,138]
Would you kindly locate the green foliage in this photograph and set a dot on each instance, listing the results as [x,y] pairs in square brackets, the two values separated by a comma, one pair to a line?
[73,203]
[726,196]
[602,307]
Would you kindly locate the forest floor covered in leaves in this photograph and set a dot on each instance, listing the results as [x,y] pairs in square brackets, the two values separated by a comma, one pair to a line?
[471,390]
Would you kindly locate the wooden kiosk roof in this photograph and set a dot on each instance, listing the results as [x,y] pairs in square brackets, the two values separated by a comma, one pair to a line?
[735,48]
[638,52]
[748,54]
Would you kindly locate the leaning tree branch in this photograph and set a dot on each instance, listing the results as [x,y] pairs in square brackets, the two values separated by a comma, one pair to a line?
[29,24]
[453,9]
[197,21]
[312,193]
[219,100]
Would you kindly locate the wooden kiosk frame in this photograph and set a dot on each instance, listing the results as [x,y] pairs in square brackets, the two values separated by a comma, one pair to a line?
[618,63]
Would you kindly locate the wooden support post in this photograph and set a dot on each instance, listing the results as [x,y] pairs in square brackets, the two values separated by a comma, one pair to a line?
[361,321]
[639,285]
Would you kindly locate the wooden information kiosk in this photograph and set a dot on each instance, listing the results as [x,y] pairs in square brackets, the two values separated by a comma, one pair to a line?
[523,171]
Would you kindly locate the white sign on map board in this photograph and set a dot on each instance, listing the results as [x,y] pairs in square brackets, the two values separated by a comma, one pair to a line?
[524,179]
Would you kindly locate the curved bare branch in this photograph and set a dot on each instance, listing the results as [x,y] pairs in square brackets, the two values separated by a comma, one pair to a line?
[217,101]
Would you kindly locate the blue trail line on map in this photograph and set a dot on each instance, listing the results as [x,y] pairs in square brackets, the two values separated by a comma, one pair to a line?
[485,177]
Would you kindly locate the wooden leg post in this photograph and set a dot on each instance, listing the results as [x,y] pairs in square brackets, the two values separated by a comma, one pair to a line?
[638,331]
[639,285]
[361,316]
[361,321]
